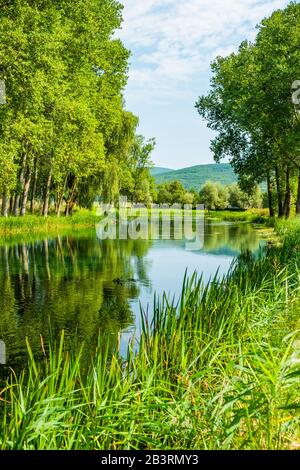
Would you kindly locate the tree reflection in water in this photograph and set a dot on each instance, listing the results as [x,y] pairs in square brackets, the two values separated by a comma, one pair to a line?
[67,282]
[70,283]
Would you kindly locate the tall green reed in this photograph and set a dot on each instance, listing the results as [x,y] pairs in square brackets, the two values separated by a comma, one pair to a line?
[220,369]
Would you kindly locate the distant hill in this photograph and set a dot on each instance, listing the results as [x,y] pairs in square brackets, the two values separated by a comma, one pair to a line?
[196,176]
[158,170]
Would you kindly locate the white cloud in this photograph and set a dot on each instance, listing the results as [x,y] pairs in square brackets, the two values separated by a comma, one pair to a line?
[173,41]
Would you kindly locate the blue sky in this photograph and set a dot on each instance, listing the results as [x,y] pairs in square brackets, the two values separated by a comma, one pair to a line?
[172,44]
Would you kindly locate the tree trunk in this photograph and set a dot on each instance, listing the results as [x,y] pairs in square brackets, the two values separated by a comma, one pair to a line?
[21,189]
[60,196]
[58,205]
[71,205]
[11,204]
[16,205]
[72,199]
[47,195]
[270,196]
[279,193]
[298,197]
[4,210]
[288,194]
[25,193]
[33,192]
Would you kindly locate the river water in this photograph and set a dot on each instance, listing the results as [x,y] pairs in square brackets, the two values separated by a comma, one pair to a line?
[85,285]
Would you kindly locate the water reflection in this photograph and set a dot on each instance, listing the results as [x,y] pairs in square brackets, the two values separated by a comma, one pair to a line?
[229,238]
[86,286]
[69,281]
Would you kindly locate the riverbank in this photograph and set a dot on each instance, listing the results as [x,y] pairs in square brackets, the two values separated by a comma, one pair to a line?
[35,227]
[224,373]
[34,224]
[254,216]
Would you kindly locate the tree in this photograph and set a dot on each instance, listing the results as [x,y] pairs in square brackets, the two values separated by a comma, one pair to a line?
[171,193]
[250,107]
[118,172]
[64,120]
[139,162]
[7,174]
[240,199]
[214,196]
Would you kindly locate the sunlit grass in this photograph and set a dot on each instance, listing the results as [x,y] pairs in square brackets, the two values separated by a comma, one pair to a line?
[38,224]
[219,370]
[259,216]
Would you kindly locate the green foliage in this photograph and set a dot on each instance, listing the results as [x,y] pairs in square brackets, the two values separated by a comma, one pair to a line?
[65,135]
[196,176]
[175,193]
[141,189]
[214,196]
[8,168]
[238,198]
[217,370]
[250,107]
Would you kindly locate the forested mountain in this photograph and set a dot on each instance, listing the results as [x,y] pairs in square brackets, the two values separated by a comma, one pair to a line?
[195,177]
[158,170]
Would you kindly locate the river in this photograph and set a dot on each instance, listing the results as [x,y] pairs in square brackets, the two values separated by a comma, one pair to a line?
[85,285]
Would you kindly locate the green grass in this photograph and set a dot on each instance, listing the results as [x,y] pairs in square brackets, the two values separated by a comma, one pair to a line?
[220,370]
[34,224]
[254,216]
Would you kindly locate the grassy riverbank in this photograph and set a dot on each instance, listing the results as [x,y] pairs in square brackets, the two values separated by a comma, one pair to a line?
[224,373]
[34,224]
[255,216]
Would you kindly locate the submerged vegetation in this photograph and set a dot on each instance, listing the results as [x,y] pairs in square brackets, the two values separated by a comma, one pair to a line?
[219,370]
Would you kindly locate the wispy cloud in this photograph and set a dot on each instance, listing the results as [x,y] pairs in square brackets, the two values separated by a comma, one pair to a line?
[174,41]
[172,44]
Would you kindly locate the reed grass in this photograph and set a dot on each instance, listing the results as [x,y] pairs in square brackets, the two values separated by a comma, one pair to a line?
[35,224]
[82,218]
[220,369]
[255,216]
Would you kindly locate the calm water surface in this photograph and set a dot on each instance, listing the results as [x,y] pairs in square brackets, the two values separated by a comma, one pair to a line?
[70,283]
